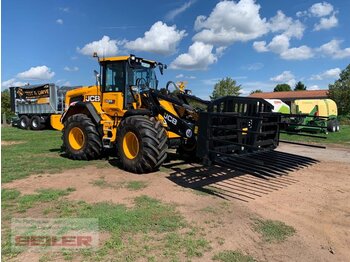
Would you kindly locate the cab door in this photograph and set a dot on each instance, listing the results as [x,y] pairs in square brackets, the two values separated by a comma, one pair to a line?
[113,87]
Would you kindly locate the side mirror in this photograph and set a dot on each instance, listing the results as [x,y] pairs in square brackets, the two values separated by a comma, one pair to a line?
[162,67]
[98,78]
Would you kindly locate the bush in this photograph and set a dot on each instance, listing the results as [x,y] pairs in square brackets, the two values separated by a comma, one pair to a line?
[344,119]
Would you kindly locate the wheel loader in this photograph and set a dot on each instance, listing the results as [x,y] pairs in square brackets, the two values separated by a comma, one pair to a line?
[126,111]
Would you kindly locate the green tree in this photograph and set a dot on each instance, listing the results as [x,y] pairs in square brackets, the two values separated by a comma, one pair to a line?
[6,105]
[256,91]
[299,86]
[226,87]
[340,91]
[282,87]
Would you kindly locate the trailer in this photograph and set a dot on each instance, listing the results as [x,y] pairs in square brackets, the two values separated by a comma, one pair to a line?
[314,115]
[38,106]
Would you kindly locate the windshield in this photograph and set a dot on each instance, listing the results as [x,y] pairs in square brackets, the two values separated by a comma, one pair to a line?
[143,76]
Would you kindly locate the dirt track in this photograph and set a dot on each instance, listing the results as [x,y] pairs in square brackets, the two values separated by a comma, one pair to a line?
[313,198]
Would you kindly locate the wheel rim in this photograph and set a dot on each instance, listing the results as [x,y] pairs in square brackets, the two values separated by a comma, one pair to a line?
[23,124]
[130,145]
[35,123]
[76,138]
[333,128]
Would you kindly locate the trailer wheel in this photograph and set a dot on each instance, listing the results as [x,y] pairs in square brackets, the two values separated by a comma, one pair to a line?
[24,122]
[35,123]
[331,126]
[142,144]
[337,126]
[81,140]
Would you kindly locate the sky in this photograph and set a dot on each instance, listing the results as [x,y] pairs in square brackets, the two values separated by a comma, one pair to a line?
[258,43]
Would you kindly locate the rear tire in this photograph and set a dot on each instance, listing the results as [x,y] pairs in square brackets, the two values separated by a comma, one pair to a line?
[35,123]
[81,140]
[142,144]
[24,122]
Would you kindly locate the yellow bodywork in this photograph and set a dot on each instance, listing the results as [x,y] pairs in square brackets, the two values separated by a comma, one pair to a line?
[55,121]
[326,107]
[109,105]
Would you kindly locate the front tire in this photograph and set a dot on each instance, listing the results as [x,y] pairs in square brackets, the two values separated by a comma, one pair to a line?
[81,140]
[142,144]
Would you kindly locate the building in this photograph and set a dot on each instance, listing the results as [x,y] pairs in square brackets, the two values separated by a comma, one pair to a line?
[289,96]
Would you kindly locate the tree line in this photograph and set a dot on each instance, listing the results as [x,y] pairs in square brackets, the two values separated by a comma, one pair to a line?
[339,91]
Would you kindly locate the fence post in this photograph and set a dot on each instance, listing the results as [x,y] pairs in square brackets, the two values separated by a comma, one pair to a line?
[4,119]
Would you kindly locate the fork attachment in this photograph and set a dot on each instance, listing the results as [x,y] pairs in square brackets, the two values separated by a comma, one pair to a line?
[236,125]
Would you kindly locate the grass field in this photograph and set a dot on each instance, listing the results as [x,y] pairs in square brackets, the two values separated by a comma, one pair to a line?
[341,138]
[150,229]
[27,152]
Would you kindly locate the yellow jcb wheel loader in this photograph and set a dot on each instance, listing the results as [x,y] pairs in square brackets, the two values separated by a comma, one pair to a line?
[127,112]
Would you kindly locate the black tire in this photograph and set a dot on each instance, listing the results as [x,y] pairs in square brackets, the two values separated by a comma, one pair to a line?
[331,126]
[337,126]
[24,122]
[151,144]
[188,151]
[92,143]
[35,123]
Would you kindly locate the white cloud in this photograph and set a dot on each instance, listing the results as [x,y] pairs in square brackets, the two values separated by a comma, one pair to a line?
[326,14]
[103,47]
[12,82]
[334,50]
[284,77]
[37,73]
[160,39]
[71,69]
[173,13]
[313,87]
[290,28]
[67,83]
[199,56]
[229,22]
[253,67]
[260,46]
[64,9]
[321,9]
[184,76]
[331,73]
[326,23]
[280,45]
[298,53]
[59,21]
[211,81]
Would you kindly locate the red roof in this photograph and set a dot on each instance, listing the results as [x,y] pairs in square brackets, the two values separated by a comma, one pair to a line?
[308,94]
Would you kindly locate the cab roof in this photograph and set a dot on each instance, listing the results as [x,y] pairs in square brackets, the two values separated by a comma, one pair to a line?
[123,58]
[114,58]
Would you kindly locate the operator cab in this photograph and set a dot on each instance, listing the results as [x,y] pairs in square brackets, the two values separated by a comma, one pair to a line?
[127,75]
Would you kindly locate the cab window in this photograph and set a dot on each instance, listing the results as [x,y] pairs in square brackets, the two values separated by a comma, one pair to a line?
[114,77]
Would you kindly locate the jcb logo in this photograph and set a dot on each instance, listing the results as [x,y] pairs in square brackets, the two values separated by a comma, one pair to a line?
[93,99]
[170,119]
